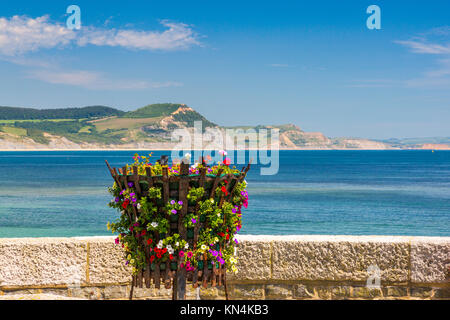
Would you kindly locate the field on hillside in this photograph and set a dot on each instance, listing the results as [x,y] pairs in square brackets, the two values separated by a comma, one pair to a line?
[123,123]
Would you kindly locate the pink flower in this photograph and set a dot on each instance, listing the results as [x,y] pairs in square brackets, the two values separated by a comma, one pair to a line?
[189,254]
[181,254]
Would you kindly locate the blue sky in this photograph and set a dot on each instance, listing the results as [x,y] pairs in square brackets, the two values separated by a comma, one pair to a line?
[316,65]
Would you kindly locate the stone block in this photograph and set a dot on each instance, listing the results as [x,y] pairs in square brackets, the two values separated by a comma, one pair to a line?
[339,257]
[430,260]
[42,261]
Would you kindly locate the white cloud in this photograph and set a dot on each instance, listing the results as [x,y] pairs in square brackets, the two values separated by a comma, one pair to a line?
[424,47]
[177,36]
[21,34]
[279,65]
[94,80]
[433,42]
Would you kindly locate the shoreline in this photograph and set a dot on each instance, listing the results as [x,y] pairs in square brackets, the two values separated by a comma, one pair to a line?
[170,149]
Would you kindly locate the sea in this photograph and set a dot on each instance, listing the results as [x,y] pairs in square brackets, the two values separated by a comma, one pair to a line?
[400,192]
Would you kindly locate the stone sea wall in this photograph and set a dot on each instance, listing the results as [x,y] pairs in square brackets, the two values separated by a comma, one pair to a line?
[270,267]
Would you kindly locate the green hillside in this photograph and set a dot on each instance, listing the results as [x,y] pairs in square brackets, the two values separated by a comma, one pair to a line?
[13,113]
[153,111]
[98,124]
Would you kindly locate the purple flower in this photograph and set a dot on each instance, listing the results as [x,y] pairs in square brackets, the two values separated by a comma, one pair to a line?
[214,253]
[180,203]
[134,199]
[117,199]
[121,192]
[221,261]
[130,184]
[172,202]
[131,229]
[193,220]
[235,240]
[136,224]
[173,211]
[233,210]
[132,194]
[126,263]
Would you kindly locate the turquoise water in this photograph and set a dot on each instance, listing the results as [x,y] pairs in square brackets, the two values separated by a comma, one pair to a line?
[315,192]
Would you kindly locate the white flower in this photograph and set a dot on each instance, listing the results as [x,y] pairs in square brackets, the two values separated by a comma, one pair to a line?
[186,246]
[122,212]
[218,215]
[203,247]
[212,200]
[170,251]
[169,247]
[154,224]
[177,244]
[187,155]
[223,152]
[138,206]
[160,244]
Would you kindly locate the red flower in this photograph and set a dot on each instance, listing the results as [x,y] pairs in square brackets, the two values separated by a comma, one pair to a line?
[144,232]
[224,190]
[227,161]
[221,234]
[228,237]
[170,257]
[125,203]
[152,258]
[149,241]
[164,250]
[158,255]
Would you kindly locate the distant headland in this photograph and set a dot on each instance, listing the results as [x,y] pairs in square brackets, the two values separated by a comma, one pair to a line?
[150,127]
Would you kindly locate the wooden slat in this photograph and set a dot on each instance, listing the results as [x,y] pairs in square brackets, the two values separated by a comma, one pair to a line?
[124,177]
[136,179]
[113,174]
[213,275]
[216,183]
[195,278]
[165,180]
[139,278]
[157,275]
[205,271]
[181,284]
[201,182]
[148,276]
[167,278]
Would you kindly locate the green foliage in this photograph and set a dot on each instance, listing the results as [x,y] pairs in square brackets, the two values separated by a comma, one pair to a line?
[37,136]
[12,113]
[153,110]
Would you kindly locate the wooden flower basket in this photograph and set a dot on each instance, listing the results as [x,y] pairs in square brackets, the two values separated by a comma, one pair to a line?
[171,274]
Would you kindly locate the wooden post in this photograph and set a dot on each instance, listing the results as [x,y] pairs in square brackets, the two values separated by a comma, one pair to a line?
[182,195]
